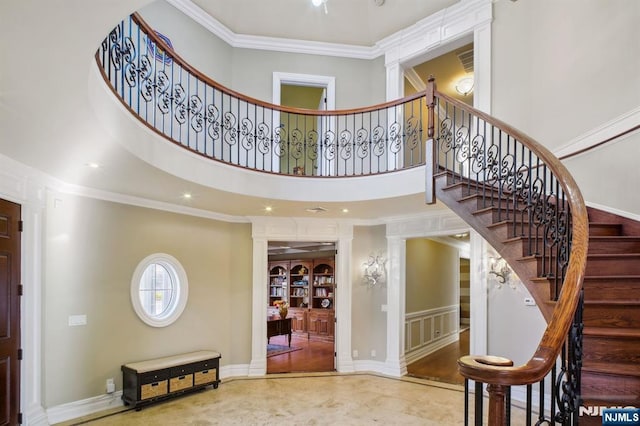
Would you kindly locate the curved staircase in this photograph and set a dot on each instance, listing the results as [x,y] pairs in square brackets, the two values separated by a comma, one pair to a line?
[611,315]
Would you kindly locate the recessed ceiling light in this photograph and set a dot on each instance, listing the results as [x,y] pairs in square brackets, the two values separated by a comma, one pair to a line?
[93,165]
[268,209]
[345,210]
[186,195]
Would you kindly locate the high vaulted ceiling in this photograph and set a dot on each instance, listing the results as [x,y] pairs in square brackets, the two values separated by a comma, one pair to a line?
[47,121]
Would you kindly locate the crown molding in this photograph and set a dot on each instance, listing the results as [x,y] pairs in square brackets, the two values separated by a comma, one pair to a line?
[438,29]
[273,43]
[98,194]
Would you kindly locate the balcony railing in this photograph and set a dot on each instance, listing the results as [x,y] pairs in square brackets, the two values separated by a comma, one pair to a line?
[195,112]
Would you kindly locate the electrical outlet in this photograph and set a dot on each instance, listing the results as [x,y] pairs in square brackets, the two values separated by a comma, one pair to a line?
[528,301]
[111,386]
[355,353]
[373,353]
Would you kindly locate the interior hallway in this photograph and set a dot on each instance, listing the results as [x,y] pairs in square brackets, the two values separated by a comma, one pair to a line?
[442,365]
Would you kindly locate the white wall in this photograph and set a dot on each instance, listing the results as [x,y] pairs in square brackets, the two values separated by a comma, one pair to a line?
[563,68]
[195,44]
[368,323]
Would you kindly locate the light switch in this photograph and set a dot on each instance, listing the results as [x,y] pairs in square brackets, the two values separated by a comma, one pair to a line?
[77,320]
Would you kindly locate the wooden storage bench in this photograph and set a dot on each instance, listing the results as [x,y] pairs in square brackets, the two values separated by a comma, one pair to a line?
[154,380]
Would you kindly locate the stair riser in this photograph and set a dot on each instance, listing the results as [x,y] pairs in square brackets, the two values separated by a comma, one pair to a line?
[530,246]
[614,246]
[611,350]
[608,290]
[519,223]
[611,316]
[604,229]
[613,265]
[507,230]
[619,390]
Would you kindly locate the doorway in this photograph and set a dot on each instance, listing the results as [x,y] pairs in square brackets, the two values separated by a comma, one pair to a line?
[301,300]
[436,303]
[10,289]
[305,91]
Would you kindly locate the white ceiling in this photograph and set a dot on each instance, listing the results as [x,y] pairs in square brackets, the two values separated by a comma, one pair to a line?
[356,22]
[47,121]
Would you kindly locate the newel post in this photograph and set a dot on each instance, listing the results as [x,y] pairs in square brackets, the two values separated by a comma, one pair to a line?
[497,404]
[430,160]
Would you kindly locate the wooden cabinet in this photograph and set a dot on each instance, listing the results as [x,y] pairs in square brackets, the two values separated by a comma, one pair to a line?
[321,323]
[298,321]
[311,296]
[153,380]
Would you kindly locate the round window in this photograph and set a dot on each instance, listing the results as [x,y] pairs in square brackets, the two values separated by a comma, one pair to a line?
[159,290]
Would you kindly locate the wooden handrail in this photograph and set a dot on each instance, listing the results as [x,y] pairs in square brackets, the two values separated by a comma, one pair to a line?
[603,142]
[476,367]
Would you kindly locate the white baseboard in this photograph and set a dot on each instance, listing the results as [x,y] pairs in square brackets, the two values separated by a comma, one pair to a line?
[84,407]
[369,365]
[430,348]
[236,370]
[35,415]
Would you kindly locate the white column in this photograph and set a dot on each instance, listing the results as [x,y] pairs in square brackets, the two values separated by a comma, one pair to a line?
[395,364]
[482,67]
[395,90]
[258,366]
[478,293]
[395,81]
[343,297]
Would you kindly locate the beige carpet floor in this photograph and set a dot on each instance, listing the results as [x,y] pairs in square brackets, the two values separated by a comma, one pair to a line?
[356,399]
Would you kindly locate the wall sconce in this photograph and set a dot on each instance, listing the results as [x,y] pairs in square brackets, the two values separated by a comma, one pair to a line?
[502,271]
[464,86]
[374,272]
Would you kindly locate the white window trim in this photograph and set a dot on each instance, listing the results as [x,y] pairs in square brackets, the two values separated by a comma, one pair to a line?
[178,274]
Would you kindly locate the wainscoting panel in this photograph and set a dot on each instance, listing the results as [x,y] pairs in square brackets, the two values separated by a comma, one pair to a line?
[429,330]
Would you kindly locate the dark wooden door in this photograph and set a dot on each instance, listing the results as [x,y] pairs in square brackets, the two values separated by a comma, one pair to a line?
[9,312]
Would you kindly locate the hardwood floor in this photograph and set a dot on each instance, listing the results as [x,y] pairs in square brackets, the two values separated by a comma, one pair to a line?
[315,356]
[442,365]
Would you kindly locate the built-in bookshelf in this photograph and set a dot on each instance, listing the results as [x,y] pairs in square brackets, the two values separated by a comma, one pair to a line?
[309,287]
[278,284]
